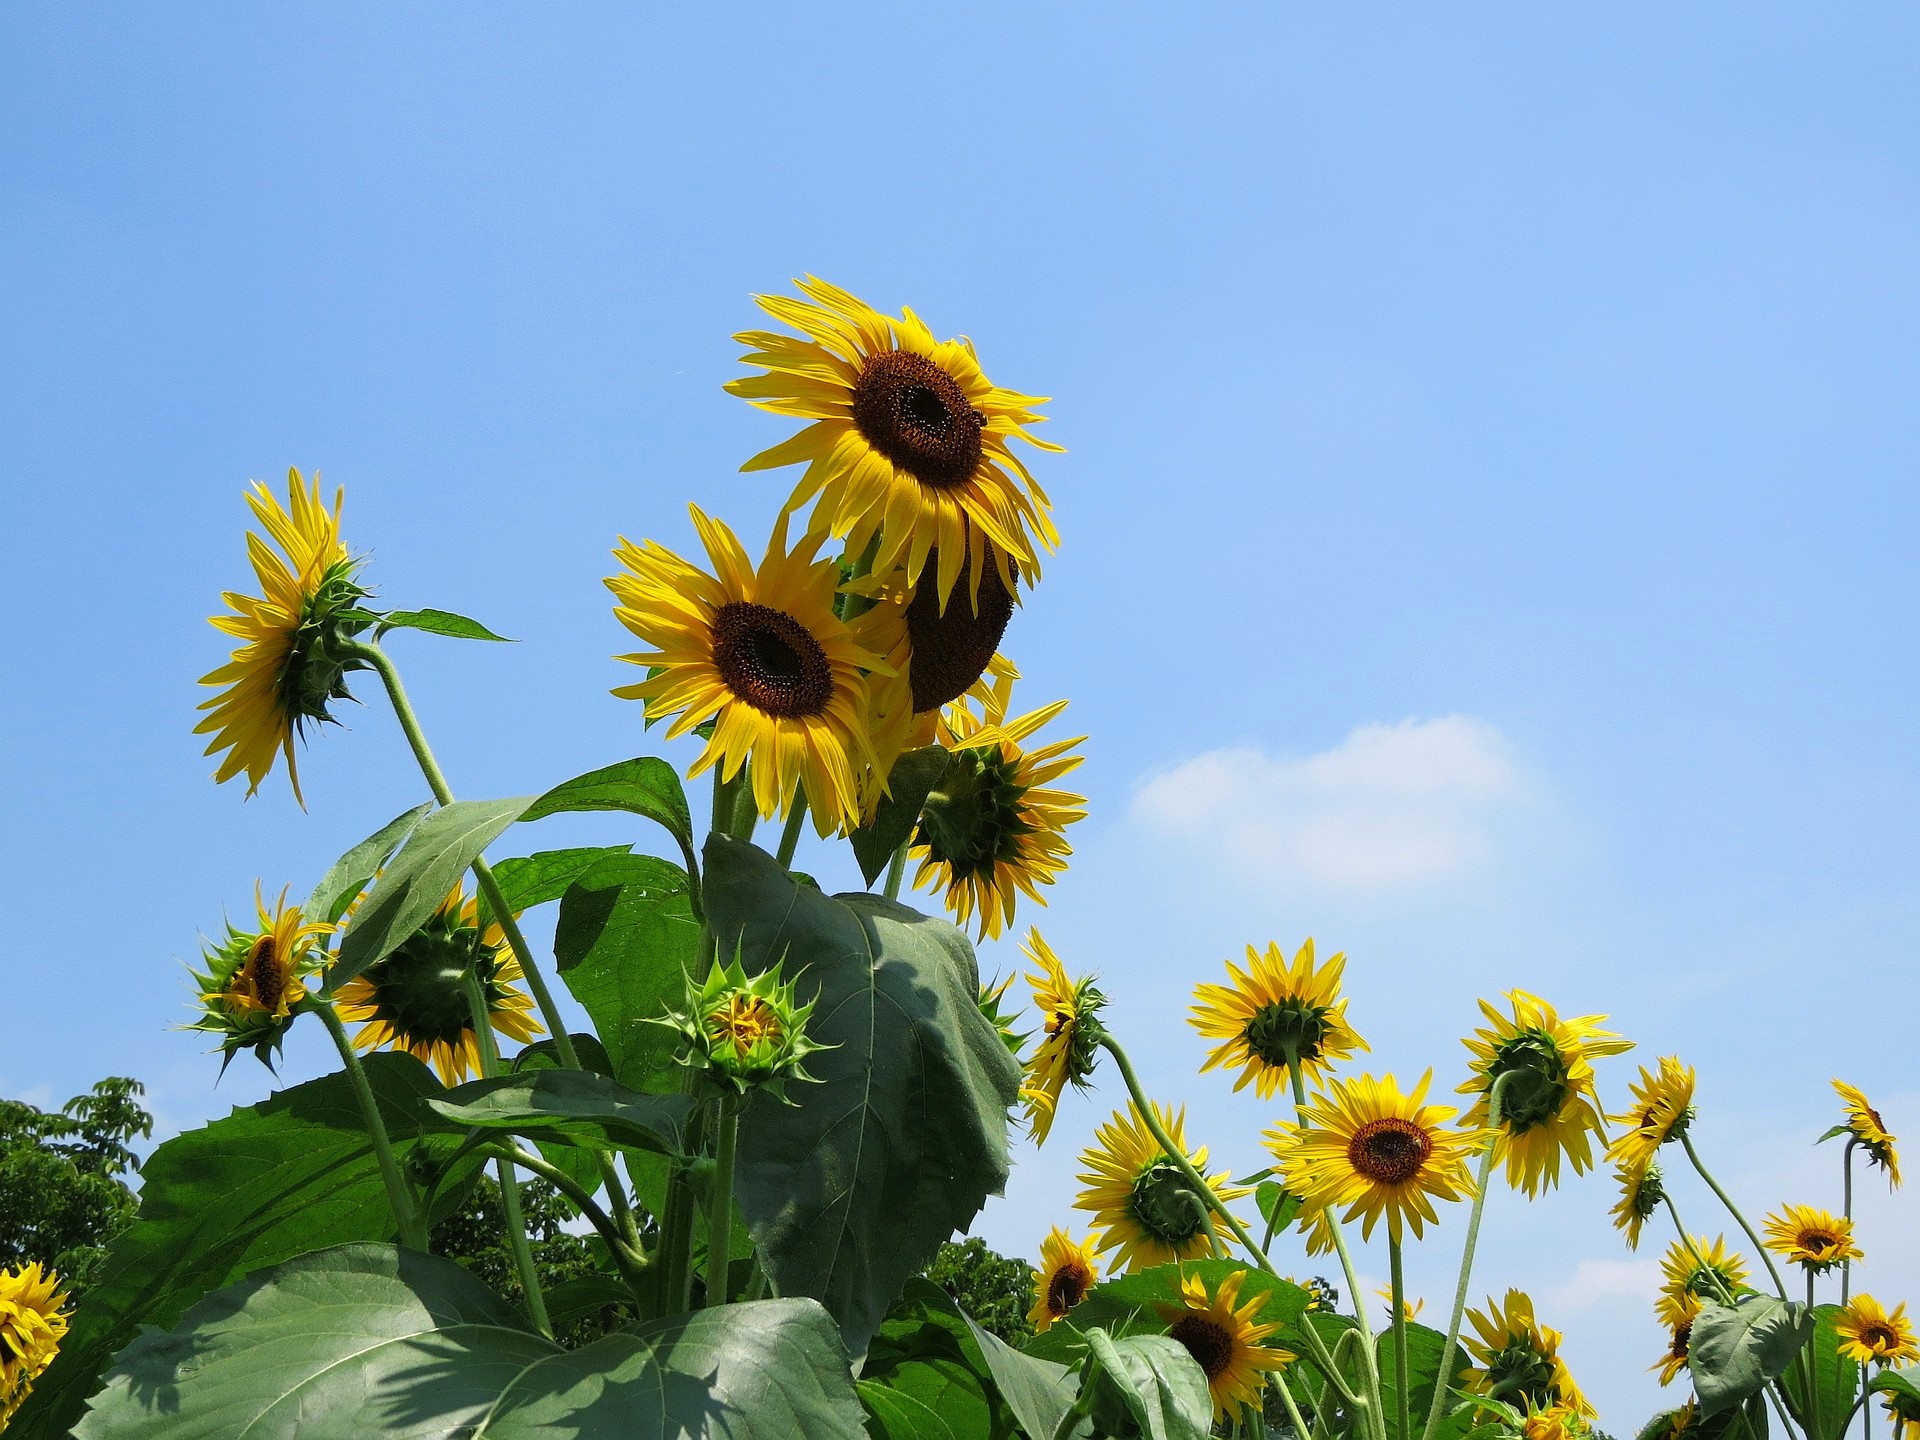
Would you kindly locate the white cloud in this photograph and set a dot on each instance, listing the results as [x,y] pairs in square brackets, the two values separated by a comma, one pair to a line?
[1389,807]
[1594,1281]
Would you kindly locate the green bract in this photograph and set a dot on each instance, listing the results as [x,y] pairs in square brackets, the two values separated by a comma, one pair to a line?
[743,1032]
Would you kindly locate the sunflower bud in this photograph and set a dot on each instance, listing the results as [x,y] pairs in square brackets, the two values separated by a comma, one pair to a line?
[745,1032]
[990,997]
[255,981]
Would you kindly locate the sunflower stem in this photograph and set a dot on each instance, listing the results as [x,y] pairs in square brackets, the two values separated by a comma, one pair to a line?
[896,871]
[790,837]
[720,1204]
[1766,1258]
[406,1215]
[632,1266]
[1279,1382]
[1846,1209]
[1402,1402]
[516,1220]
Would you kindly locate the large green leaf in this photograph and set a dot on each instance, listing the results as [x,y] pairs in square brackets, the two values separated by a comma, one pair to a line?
[645,785]
[570,1107]
[1424,1348]
[529,880]
[1129,1302]
[853,1189]
[900,1414]
[411,888]
[909,783]
[1147,1386]
[265,1183]
[928,1347]
[1735,1349]
[349,875]
[1836,1380]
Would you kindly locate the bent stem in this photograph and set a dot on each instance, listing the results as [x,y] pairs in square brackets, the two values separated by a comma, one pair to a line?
[720,1205]
[406,1215]
[1779,1285]
[630,1265]
[516,1222]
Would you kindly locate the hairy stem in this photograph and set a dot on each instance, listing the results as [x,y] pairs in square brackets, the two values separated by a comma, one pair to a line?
[720,1204]
[897,870]
[516,1221]
[1766,1257]
[790,836]
[631,1265]
[406,1215]
[1399,1301]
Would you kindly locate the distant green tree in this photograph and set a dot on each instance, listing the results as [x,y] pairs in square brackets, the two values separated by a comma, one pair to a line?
[62,1198]
[995,1291]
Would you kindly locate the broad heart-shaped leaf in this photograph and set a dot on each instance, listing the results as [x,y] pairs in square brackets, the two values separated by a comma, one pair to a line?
[1836,1381]
[349,875]
[1150,1381]
[265,1183]
[1424,1348]
[364,1340]
[1735,1349]
[646,785]
[852,1189]
[410,889]
[529,880]
[570,1107]
[437,622]
[909,783]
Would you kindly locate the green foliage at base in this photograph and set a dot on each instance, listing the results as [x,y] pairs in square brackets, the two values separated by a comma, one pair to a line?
[62,1198]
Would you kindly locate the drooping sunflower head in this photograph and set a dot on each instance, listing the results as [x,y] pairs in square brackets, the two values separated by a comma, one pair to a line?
[1224,1338]
[1869,1131]
[744,1032]
[1067,1053]
[254,981]
[416,999]
[993,828]
[909,442]
[1517,1359]
[1696,1269]
[1068,1270]
[1641,1193]
[1903,1414]
[762,654]
[1144,1207]
[1871,1334]
[1553,1422]
[1368,1147]
[32,1324]
[1543,1064]
[1679,1318]
[1276,1016]
[292,658]
[1813,1238]
[1661,1111]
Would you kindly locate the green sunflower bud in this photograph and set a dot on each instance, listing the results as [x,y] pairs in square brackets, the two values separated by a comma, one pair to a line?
[254,983]
[744,1032]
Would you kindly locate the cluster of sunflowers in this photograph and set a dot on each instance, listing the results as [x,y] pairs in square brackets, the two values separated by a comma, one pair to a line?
[791,1099]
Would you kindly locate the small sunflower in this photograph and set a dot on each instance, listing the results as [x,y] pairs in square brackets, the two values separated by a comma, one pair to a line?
[1685,1310]
[256,980]
[32,1324]
[1869,1132]
[1641,1193]
[1517,1359]
[1549,1107]
[1067,1053]
[1068,1270]
[992,828]
[742,1032]
[1144,1207]
[1409,1309]
[1695,1271]
[416,999]
[1275,1016]
[1661,1111]
[910,442]
[1553,1422]
[761,653]
[291,661]
[1224,1339]
[1903,1415]
[1679,1422]
[1869,1334]
[1816,1239]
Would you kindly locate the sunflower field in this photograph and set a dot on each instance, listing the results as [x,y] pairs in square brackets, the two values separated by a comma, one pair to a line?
[788,1101]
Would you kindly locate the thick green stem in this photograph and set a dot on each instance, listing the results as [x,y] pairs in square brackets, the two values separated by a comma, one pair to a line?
[1294,1417]
[631,1265]
[897,870]
[515,1221]
[406,1215]
[1399,1301]
[1766,1257]
[790,836]
[720,1203]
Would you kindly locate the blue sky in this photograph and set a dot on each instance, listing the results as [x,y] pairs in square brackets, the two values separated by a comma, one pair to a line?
[1488,511]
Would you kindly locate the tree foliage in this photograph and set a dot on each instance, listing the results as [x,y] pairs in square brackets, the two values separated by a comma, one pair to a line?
[62,1193]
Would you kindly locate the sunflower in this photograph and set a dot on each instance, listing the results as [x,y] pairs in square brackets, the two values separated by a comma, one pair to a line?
[1697,1270]
[1548,1105]
[1517,1360]
[292,657]
[1869,1132]
[1868,1333]
[256,980]
[1224,1339]
[1677,1422]
[1275,1016]
[1685,1310]
[1068,1270]
[1553,1422]
[910,442]
[416,999]
[1816,1239]
[31,1328]
[1903,1415]
[1662,1109]
[1067,1053]
[992,827]
[1365,1145]
[1144,1206]
[741,1032]
[1409,1309]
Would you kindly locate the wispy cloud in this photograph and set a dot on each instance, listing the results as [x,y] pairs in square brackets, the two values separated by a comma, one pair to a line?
[1389,807]
[1595,1281]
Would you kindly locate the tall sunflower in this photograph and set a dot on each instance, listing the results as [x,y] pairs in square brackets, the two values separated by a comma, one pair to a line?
[1641,1193]
[256,980]
[1661,1111]
[1068,1007]
[993,828]
[1068,1270]
[1517,1359]
[1365,1145]
[1868,1130]
[1549,1107]
[291,660]
[1276,1015]
[1679,1321]
[416,999]
[1871,1334]
[1144,1206]
[1815,1239]
[1224,1338]
[1698,1270]
[32,1325]
[909,442]
[762,654]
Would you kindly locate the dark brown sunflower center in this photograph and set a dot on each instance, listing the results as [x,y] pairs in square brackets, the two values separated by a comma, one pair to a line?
[952,648]
[1819,1242]
[1389,1151]
[265,972]
[770,660]
[1207,1340]
[1881,1339]
[1682,1337]
[912,412]
[1067,1289]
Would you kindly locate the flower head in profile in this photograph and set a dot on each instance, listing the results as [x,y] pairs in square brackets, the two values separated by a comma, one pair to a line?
[32,1324]
[254,981]
[1275,1017]
[1144,1207]
[744,1032]
[416,999]
[1903,1414]
[1517,1359]
[1661,1111]
[1066,1054]
[1873,1335]
[1553,1422]
[1696,1269]
[1814,1239]
[1868,1131]
[909,443]
[1225,1339]
[1068,1270]
[1409,1309]
[1679,1318]
[1641,1193]
[292,658]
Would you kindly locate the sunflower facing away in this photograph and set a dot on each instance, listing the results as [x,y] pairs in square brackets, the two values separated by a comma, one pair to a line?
[1517,1359]
[1661,1111]
[1143,1205]
[1870,1335]
[1641,1193]
[1553,1422]
[290,662]
[761,653]
[1684,1311]
[1224,1339]
[1364,1145]
[1068,1007]
[31,1328]
[909,442]
[1697,1271]
[992,828]
[1276,1015]
[1869,1132]
[1815,1239]
[416,999]
[255,980]
[1903,1415]
[1068,1270]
